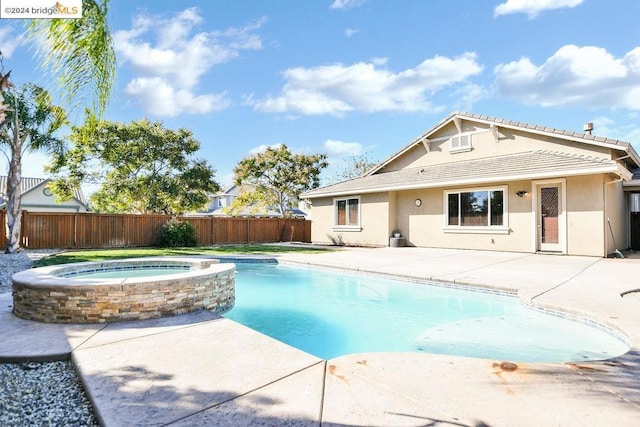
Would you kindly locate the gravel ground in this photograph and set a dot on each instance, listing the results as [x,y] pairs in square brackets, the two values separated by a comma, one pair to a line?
[39,394]
[43,394]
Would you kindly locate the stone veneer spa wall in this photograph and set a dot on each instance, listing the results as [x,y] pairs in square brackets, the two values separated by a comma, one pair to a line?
[67,294]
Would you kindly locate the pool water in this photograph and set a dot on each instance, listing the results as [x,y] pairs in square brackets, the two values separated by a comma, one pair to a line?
[332,314]
[124,273]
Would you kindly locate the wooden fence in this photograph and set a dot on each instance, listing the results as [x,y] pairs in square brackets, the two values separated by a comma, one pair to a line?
[49,230]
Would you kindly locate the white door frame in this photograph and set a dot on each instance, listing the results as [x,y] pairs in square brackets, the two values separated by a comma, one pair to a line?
[561,246]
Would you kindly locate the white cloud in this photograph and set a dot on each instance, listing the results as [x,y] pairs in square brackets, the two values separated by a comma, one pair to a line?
[350,31]
[169,53]
[533,7]
[8,42]
[340,149]
[467,95]
[263,147]
[162,99]
[626,130]
[337,89]
[346,4]
[587,76]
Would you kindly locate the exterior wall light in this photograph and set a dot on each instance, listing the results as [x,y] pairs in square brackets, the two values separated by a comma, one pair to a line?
[522,193]
[418,202]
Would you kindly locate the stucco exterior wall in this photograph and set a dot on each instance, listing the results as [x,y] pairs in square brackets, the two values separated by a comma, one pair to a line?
[374,227]
[585,215]
[424,226]
[484,145]
[616,213]
[587,201]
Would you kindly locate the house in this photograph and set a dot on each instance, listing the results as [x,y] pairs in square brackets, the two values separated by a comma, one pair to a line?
[222,200]
[220,203]
[478,182]
[37,197]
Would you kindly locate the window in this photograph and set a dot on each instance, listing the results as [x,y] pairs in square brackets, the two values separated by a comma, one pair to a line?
[461,142]
[347,213]
[476,208]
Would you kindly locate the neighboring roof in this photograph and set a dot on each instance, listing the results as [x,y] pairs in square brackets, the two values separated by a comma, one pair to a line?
[521,166]
[28,184]
[233,190]
[536,129]
[249,212]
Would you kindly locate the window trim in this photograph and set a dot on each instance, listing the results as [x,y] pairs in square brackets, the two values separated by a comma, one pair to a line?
[461,148]
[478,229]
[337,227]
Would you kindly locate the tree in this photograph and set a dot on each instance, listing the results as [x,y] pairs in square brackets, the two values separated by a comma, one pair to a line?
[29,124]
[276,175]
[354,167]
[80,52]
[141,166]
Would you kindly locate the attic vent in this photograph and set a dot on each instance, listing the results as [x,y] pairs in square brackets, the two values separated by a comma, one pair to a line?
[461,142]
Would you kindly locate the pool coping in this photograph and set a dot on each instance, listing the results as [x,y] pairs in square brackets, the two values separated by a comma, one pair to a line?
[118,362]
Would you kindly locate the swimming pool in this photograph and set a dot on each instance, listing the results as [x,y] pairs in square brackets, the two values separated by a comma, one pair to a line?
[331,314]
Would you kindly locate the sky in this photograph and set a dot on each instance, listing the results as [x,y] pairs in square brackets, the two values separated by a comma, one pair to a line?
[358,77]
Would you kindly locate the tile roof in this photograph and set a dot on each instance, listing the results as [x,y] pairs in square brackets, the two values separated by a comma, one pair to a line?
[527,165]
[523,125]
[27,184]
[566,134]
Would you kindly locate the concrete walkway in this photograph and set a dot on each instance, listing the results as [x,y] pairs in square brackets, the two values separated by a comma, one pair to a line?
[203,369]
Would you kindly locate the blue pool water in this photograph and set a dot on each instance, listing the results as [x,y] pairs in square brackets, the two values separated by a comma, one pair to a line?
[332,314]
[127,273]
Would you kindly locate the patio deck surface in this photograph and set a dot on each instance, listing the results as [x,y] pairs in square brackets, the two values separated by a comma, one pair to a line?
[203,369]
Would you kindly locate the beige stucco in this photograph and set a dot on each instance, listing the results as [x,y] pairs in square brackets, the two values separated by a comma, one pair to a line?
[590,200]
[617,238]
[424,226]
[484,145]
[374,228]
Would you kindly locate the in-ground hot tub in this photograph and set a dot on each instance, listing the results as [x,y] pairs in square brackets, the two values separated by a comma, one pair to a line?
[128,289]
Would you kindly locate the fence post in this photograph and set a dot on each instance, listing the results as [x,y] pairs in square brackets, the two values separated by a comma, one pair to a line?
[213,235]
[75,230]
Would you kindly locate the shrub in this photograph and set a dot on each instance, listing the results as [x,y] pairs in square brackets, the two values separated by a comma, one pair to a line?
[176,233]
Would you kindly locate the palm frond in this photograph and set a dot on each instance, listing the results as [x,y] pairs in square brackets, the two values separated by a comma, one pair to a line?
[80,53]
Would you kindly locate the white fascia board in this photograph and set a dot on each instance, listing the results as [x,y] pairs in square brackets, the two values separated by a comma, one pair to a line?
[616,169]
[552,134]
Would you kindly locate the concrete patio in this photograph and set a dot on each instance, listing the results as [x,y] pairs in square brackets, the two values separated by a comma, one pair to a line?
[203,369]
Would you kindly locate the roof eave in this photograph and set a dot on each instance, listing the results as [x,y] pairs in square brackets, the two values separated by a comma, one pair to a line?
[625,147]
[615,169]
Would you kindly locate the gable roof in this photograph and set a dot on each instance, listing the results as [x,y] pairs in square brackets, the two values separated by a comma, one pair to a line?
[233,190]
[521,126]
[520,166]
[29,184]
